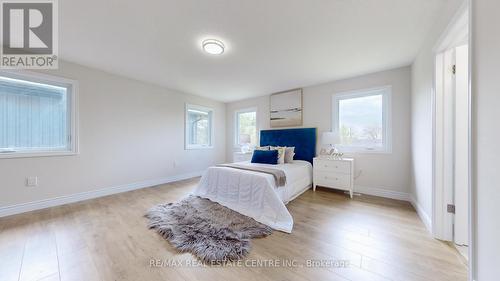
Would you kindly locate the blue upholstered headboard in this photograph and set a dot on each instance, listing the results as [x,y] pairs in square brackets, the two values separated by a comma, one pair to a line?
[304,140]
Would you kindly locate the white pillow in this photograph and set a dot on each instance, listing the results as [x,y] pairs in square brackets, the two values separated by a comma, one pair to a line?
[289,154]
[281,153]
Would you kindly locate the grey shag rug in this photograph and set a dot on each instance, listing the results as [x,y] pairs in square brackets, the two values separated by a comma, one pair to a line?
[208,230]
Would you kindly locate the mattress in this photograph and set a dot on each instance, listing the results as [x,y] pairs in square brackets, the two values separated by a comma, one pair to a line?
[298,178]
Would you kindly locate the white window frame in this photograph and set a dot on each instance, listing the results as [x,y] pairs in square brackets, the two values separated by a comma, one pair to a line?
[189,146]
[237,124]
[72,100]
[386,117]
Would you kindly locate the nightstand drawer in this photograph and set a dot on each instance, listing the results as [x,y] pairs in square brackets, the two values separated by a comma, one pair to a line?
[332,166]
[329,179]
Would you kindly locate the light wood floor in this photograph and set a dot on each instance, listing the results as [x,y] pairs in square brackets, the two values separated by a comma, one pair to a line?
[107,239]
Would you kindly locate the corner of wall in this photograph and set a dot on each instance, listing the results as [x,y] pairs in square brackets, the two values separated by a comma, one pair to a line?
[424,217]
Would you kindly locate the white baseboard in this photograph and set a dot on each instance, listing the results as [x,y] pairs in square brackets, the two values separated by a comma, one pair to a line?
[381,192]
[62,200]
[424,217]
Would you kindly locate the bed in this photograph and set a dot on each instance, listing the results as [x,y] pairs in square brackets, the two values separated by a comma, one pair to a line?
[256,194]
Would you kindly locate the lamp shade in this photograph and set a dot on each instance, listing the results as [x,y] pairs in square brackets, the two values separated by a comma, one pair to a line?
[330,138]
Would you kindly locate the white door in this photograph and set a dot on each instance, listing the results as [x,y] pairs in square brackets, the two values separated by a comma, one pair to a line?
[444,142]
[452,145]
[461,153]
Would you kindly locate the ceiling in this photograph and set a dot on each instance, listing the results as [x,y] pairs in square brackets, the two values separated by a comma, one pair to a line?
[271,45]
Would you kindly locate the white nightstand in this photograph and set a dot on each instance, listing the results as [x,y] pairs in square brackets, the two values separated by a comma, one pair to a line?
[334,173]
[242,156]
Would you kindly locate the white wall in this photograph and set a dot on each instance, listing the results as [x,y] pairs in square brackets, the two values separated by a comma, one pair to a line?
[422,71]
[389,172]
[486,105]
[129,132]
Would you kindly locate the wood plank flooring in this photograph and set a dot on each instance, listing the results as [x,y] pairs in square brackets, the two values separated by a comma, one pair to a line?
[107,239]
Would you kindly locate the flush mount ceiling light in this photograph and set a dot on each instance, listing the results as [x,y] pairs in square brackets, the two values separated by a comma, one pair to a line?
[213,46]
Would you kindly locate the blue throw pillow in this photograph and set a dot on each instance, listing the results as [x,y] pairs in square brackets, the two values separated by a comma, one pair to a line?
[265,157]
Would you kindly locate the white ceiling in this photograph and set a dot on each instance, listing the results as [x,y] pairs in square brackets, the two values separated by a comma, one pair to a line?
[272,45]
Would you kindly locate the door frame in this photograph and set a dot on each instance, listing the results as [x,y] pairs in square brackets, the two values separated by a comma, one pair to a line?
[458,32]
[454,35]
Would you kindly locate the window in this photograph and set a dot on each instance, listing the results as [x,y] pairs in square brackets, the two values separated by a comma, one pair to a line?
[37,115]
[199,127]
[362,119]
[246,127]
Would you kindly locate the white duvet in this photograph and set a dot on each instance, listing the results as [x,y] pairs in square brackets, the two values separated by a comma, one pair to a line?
[255,194]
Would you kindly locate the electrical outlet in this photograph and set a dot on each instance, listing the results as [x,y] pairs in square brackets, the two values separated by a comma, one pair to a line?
[31,181]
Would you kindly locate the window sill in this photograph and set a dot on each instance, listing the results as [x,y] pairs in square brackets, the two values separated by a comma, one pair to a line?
[20,154]
[198,147]
[239,147]
[358,152]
